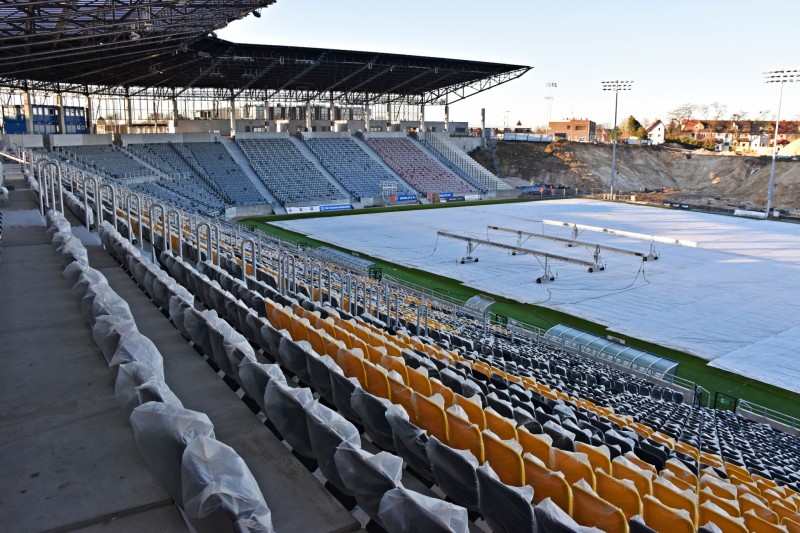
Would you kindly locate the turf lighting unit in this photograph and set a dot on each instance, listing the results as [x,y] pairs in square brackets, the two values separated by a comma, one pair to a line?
[777,76]
[615,86]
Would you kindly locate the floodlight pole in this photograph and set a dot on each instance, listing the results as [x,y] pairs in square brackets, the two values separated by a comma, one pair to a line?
[550,85]
[615,86]
[777,76]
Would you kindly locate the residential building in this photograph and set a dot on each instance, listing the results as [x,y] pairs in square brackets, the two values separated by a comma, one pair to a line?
[656,132]
[575,129]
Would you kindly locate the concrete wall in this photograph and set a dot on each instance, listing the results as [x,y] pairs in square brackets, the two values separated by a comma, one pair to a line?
[262,135]
[70,139]
[155,138]
[23,141]
[467,144]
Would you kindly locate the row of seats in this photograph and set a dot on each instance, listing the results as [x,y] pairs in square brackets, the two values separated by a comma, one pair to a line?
[453,166]
[353,167]
[177,444]
[106,159]
[414,165]
[287,173]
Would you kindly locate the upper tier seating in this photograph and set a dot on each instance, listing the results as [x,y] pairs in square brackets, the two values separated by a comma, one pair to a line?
[352,166]
[422,171]
[107,160]
[454,167]
[220,167]
[287,173]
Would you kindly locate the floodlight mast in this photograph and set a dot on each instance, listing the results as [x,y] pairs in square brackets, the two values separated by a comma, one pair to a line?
[615,86]
[550,85]
[777,76]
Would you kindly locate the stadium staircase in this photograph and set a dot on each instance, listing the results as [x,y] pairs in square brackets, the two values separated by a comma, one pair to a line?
[441,144]
[308,154]
[495,162]
[241,160]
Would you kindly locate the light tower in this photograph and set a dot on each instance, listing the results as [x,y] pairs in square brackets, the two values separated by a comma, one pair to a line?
[777,76]
[615,86]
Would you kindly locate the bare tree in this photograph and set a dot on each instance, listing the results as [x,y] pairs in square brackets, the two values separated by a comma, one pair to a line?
[762,114]
[719,110]
[679,114]
[703,109]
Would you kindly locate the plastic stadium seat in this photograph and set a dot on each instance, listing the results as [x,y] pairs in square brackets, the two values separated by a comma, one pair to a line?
[672,497]
[728,524]
[342,389]
[377,381]
[536,444]
[550,518]
[729,506]
[575,466]
[161,432]
[473,408]
[368,477]
[254,378]
[748,502]
[410,442]
[319,371]
[327,429]
[219,491]
[500,425]
[352,364]
[285,408]
[621,468]
[505,458]
[662,518]
[400,394]
[372,412]
[430,415]
[464,435]
[505,509]
[405,511]
[546,483]
[620,492]
[455,473]
[590,509]
[599,456]
[756,524]
[293,356]
[418,381]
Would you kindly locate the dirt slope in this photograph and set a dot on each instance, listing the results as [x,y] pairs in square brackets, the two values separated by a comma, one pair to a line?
[696,177]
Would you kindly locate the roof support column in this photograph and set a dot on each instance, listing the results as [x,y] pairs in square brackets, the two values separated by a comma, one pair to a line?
[422,117]
[332,113]
[233,114]
[266,112]
[308,115]
[128,111]
[88,106]
[366,113]
[62,127]
[28,109]
[174,122]
[388,116]
[447,118]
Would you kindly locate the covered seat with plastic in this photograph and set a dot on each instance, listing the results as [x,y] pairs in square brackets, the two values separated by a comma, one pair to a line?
[455,473]
[405,511]
[410,442]
[368,476]
[505,508]
[327,429]
[285,408]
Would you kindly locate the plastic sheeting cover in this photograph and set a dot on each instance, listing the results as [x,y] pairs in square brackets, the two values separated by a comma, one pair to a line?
[550,518]
[161,432]
[285,407]
[505,508]
[107,331]
[405,511]
[327,429]
[368,476]
[216,481]
[254,377]
[135,347]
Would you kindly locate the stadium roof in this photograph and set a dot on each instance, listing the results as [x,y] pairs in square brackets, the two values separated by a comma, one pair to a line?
[164,47]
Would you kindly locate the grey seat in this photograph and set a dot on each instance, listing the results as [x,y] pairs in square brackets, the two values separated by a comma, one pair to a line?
[368,477]
[327,429]
[219,491]
[550,518]
[372,411]
[319,370]
[293,357]
[405,511]
[342,389]
[455,473]
[161,432]
[410,442]
[506,509]
[254,378]
[285,408]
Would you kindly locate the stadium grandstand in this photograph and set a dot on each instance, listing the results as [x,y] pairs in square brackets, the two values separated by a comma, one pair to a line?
[167,369]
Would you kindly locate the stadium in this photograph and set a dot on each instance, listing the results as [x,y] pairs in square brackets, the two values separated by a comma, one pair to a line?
[251,288]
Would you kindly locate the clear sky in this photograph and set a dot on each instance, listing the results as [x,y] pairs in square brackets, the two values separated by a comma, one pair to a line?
[675,52]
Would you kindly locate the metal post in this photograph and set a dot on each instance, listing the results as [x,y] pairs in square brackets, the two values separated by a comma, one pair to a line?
[151,213]
[244,258]
[128,198]
[86,181]
[615,86]
[198,240]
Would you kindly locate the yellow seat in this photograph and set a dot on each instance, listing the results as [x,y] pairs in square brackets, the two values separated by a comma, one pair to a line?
[678,482]
[729,506]
[785,509]
[315,337]
[756,524]
[400,394]
[430,416]
[740,472]
[644,465]
[688,449]
[464,435]
[283,319]
[665,519]
[721,488]
[537,445]
[474,410]
[750,502]
[575,466]
[621,468]
[395,363]
[663,439]
[792,526]
[393,349]
[674,498]
[547,484]
[599,456]
[377,381]
[681,472]
[728,524]
[375,353]
[500,425]
[332,347]
[348,325]
[619,492]
[505,458]
[437,387]
[418,381]
[711,459]
[352,364]
[591,510]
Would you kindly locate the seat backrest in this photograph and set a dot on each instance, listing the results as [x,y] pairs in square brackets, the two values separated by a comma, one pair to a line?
[662,518]
[505,509]
[455,473]
[599,456]
[547,484]
[590,509]
[671,497]
[377,381]
[473,409]
[728,524]
[619,492]
[505,458]
[756,524]
[500,425]
[537,444]
[418,381]
[352,364]
[410,442]
[430,416]
[400,394]
[574,465]
[285,408]
[621,468]
[403,510]
[464,435]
